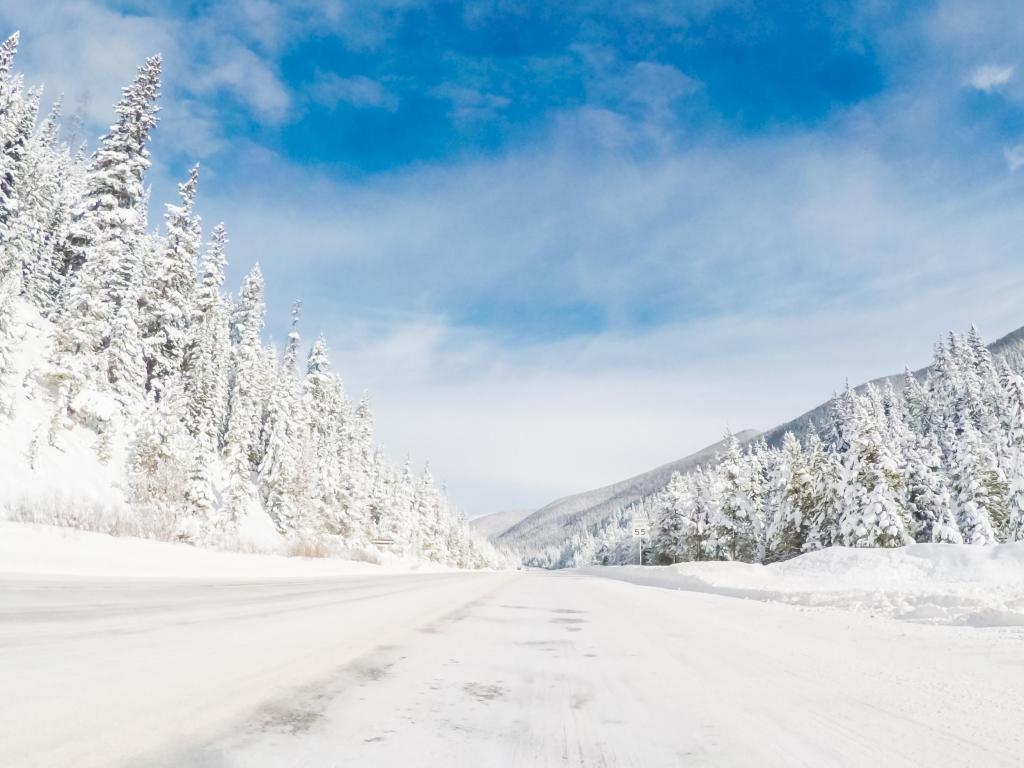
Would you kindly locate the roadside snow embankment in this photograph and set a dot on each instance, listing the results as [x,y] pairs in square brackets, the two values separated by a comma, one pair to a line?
[42,549]
[931,583]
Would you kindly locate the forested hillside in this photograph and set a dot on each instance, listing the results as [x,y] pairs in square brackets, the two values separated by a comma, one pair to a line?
[938,459]
[1009,348]
[546,528]
[136,397]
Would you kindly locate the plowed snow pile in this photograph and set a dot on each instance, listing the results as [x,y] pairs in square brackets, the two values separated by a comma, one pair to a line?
[933,583]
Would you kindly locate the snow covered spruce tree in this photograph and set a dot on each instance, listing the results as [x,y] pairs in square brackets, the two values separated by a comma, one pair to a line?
[282,449]
[735,529]
[17,112]
[825,470]
[1013,423]
[13,106]
[871,512]
[241,442]
[52,182]
[322,405]
[121,358]
[673,527]
[790,524]
[105,243]
[980,488]
[167,308]
[207,356]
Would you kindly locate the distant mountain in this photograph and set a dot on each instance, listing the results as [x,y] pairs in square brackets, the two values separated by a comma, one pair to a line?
[496,523]
[551,524]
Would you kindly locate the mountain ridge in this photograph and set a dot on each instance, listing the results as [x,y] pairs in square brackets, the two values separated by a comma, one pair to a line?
[588,507]
[494,524]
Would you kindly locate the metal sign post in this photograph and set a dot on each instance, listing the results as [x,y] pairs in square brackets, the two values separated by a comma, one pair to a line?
[639,533]
[387,544]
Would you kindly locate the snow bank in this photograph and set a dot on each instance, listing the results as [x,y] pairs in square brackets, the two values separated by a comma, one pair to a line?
[42,549]
[930,583]
[63,483]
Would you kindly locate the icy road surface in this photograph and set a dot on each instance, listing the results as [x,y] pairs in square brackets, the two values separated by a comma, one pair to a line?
[527,669]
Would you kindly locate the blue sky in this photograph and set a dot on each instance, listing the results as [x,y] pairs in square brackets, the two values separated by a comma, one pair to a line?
[564,242]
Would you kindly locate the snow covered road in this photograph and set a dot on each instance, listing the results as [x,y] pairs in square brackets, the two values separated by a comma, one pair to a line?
[527,669]
[100,672]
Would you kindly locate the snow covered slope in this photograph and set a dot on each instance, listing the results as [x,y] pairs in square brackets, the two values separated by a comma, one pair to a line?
[929,583]
[496,523]
[49,469]
[551,524]
[50,462]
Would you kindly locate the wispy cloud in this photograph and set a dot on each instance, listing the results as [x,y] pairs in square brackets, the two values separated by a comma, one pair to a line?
[330,90]
[990,77]
[92,69]
[88,50]
[249,78]
[1015,157]
[471,104]
[646,88]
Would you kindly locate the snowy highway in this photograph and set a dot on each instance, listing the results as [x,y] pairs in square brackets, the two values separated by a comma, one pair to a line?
[492,669]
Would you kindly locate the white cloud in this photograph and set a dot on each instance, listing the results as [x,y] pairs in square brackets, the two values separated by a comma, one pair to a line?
[653,86]
[701,225]
[263,21]
[470,104]
[991,77]
[249,77]
[330,90]
[84,50]
[88,52]
[1015,157]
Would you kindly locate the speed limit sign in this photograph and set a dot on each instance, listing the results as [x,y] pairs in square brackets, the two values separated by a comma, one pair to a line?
[640,533]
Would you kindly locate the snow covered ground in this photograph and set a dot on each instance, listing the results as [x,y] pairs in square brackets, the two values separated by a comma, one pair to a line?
[126,671]
[103,668]
[930,583]
[66,481]
[926,583]
[42,549]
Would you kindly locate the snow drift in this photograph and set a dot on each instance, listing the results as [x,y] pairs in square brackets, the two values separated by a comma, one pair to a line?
[929,583]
